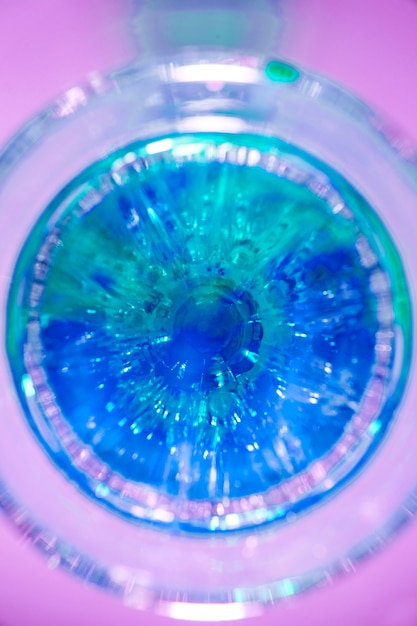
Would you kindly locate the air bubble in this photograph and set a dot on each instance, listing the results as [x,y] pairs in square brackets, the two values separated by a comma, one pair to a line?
[207,333]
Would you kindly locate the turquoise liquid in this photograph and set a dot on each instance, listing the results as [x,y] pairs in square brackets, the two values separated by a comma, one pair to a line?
[208,332]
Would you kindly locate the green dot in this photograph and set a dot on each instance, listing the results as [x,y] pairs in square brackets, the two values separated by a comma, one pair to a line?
[374,427]
[102,490]
[281,72]
[27,386]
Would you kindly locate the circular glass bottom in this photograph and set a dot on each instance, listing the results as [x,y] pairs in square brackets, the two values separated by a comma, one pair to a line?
[206,332]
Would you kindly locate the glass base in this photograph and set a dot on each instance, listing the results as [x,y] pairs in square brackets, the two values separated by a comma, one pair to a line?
[203,332]
[209,333]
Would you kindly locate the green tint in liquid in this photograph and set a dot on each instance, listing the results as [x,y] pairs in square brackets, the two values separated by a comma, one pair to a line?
[209,331]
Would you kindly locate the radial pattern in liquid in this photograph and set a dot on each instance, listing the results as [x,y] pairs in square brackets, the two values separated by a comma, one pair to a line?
[207,331]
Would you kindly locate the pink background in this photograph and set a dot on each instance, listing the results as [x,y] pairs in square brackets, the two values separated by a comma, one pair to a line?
[48,46]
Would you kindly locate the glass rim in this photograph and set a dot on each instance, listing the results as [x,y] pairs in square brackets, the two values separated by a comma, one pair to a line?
[124,582]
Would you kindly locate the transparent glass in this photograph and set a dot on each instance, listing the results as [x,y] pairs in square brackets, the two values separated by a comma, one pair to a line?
[237,572]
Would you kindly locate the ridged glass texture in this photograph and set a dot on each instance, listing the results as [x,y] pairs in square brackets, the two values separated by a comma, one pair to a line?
[202,331]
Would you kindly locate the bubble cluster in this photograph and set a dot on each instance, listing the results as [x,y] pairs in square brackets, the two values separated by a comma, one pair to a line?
[202,331]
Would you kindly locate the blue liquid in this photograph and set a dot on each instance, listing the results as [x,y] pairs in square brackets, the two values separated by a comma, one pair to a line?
[203,331]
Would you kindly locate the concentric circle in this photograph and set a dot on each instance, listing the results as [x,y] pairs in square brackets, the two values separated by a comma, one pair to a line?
[207,331]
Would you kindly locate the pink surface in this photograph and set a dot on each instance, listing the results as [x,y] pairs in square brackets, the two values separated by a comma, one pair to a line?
[369,46]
